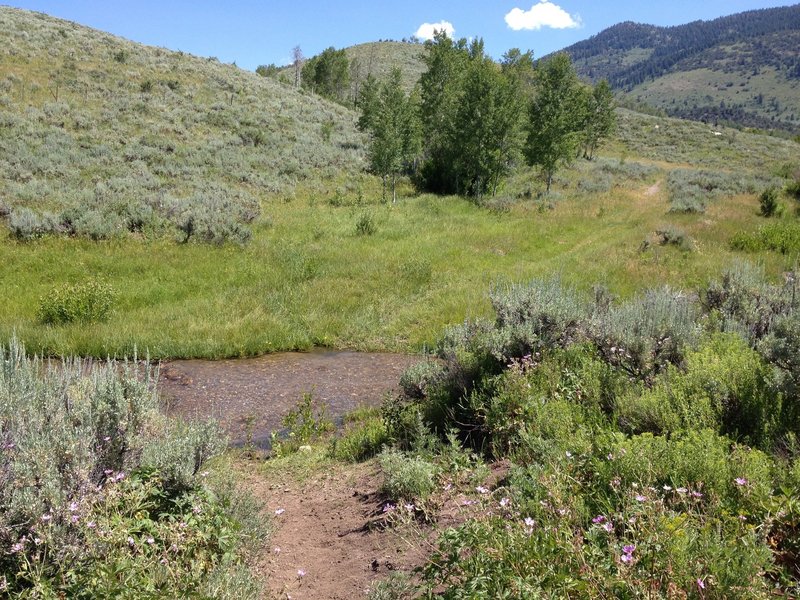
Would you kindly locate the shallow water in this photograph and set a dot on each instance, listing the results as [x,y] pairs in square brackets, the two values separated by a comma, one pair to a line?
[265,388]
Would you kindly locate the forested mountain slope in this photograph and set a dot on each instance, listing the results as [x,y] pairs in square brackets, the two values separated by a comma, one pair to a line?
[743,68]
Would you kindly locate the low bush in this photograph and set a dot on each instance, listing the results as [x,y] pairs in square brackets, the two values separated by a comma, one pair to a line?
[26,225]
[674,236]
[406,478]
[745,303]
[781,236]
[88,302]
[101,495]
[646,334]
[725,386]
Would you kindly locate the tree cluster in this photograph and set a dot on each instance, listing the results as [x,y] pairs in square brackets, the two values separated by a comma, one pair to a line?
[327,74]
[478,119]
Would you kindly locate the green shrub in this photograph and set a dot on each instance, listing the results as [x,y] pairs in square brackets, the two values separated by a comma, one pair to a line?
[406,477]
[725,386]
[89,302]
[361,438]
[768,202]
[729,477]
[780,236]
[674,236]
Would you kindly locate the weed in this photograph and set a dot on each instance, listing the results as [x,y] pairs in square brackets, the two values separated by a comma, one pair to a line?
[365,224]
[88,302]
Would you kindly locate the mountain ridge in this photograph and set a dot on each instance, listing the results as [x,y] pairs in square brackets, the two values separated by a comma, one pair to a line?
[752,54]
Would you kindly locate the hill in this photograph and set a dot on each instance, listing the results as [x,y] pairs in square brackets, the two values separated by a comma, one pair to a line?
[741,69]
[371,58]
[103,137]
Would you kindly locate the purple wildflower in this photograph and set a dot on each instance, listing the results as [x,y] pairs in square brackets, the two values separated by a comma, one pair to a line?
[741,481]
[599,519]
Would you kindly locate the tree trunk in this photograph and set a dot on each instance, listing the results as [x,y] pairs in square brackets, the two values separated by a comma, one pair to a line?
[394,188]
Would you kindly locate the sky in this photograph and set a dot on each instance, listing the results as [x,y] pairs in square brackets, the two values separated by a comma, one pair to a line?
[252,33]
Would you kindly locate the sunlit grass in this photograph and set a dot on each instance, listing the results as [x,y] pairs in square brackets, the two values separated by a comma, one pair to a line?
[309,279]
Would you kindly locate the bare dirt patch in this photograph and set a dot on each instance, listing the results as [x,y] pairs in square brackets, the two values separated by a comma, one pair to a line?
[653,189]
[330,541]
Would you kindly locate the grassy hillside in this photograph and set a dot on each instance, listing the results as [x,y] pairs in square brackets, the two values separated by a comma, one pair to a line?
[102,137]
[328,263]
[379,58]
[740,69]
[376,59]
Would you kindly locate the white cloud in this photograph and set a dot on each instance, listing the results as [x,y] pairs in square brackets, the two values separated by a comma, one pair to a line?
[426,30]
[544,14]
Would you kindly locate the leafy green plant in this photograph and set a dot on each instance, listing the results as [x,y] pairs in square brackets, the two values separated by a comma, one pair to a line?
[306,422]
[88,302]
[363,437]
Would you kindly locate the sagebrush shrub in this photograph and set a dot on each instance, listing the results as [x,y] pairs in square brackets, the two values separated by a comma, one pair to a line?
[406,477]
[88,460]
[647,333]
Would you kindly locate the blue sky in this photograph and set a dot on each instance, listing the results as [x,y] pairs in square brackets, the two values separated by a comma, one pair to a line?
[251,33]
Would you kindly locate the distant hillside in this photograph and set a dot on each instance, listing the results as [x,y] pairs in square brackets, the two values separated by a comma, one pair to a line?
[376,59]
[742,69]
[102,136]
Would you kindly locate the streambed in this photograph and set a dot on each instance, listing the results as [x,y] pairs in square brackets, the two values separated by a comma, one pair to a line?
[255,393]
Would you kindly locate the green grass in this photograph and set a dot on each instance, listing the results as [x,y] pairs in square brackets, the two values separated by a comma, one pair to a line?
[309,279]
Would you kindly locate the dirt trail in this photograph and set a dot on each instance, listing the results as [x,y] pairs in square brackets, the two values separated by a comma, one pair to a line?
[256,393]
[329,541]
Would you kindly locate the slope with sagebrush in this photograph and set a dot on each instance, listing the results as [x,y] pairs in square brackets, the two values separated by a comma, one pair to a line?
[100,136]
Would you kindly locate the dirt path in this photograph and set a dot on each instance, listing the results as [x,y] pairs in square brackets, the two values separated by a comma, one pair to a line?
[255,393]
[653,189]
[329,541]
